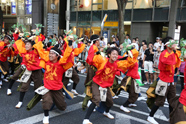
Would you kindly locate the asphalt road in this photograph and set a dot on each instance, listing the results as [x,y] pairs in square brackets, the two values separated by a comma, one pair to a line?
[74,113]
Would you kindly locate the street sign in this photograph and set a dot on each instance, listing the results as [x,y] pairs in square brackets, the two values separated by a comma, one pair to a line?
[102,24]
[52,24]
[13,8]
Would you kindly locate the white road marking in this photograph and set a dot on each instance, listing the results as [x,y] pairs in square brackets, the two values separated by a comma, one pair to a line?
[143,97]
[158,115]
[144,113]
[120,119]
[54,113]
[123,118]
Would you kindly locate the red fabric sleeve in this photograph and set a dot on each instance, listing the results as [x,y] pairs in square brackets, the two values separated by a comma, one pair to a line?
[16,36]
[90,56]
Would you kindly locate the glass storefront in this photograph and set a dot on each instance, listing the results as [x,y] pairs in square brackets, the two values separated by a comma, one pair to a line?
[162,3]
[85,5]
[8,7]
[89,14]
[86,15]
[150,3]
[19,9]
[16,7]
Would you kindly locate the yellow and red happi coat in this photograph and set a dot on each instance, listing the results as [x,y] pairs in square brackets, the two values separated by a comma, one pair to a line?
[19,44]
[106,71]
[4,52]
[167,64]
[92,50]
[54,71]
[30,59]
[133,70]
[182,98]
[16,36]
[39,38]
[77,50]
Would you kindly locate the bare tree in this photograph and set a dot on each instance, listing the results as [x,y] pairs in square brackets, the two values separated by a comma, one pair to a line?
[121,12]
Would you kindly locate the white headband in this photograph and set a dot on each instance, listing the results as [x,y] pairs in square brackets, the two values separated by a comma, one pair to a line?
[95,39]
[8,36]
[55,52]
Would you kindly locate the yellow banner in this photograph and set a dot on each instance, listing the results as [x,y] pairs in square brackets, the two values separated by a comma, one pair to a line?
[111,24]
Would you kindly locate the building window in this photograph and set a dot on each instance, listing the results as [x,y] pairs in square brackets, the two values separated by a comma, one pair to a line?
[129,4]
[28,7]
[110,5]
[84,5]
[13,8]
[97,5]
[3,7]
[143,3]
[73,5]
[20,20]
[8,7]
[28,21]
[21,7]
[162,3]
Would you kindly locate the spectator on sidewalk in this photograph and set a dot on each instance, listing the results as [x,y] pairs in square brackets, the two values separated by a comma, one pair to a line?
[141,56]
[136,45]
[117,41]
[156,62]
[77,64]
[102,42]
[55,37]
[148,63]
[127,40]
[157,44]
[137,40]
[60,40]
[162,45]
[50,38]
[113,38]
[82,68]
[142,43]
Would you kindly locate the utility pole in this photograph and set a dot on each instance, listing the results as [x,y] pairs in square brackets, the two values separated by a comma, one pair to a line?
[68,15]
[172,18]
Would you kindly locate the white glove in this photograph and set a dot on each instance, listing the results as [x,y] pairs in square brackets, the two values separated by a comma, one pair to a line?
[23,67]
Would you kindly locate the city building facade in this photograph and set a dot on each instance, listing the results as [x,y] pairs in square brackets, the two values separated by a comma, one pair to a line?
[16,11]
[50,13]
[145,19]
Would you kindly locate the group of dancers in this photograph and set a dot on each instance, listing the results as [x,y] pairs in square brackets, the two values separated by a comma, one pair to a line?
[50,68]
